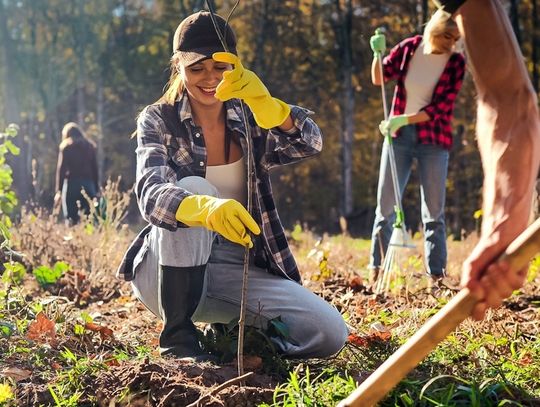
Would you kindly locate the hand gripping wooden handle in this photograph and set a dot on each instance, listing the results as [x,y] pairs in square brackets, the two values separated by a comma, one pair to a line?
[403,360]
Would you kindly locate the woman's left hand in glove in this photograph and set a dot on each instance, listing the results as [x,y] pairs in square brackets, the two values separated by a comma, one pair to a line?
[244,84]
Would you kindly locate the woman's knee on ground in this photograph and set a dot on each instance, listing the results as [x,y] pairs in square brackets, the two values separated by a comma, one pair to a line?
[323,333]
[332,337]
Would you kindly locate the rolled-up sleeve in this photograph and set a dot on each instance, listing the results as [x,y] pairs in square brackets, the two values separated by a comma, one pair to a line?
[285,148]
[158,197]
[393,62]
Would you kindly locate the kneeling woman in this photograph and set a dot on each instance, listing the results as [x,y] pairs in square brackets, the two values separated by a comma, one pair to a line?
[191,187]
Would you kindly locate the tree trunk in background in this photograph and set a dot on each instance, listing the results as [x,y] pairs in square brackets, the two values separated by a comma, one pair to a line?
[9,95]
[342,25]
[424,15]
[534,45]
[21,176]
[514,18]
[259,57]
[79,47]
[99,122]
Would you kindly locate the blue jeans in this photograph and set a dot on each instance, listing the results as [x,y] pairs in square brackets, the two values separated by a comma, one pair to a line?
[316,328]
[433,169]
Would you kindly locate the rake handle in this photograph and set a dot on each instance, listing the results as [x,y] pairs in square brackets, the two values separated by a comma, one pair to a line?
[402,361]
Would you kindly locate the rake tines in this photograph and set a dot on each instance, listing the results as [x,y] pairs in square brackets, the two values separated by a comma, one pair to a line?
[393,277]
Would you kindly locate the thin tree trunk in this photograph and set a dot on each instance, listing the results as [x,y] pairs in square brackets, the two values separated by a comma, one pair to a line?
[10,100]
[343,28]
[514,18]
[21,175]
[424,15]
[264,23]
[534,45]
[81,64]
[99,120]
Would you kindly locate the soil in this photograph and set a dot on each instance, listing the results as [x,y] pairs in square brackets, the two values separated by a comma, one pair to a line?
[118,322]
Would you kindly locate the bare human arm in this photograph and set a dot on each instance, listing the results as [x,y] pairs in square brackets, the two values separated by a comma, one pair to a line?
[508,132]
[376,71]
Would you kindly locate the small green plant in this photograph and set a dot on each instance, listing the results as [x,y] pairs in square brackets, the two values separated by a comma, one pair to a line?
[325,389]
[13,273]
[46,275]
[8,199]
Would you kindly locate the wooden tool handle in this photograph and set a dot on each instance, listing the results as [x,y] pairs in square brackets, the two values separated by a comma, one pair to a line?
[402,361]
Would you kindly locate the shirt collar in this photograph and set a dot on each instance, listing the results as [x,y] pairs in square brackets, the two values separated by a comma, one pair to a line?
[184,108]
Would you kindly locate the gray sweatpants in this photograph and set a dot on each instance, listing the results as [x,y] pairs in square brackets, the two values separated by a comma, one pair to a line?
[316,328]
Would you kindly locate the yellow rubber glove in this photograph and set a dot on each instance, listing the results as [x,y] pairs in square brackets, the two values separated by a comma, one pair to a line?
[224,216]
[244,84]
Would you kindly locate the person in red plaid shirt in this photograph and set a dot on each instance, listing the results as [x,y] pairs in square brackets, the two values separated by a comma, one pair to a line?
[508,132]
[428,74]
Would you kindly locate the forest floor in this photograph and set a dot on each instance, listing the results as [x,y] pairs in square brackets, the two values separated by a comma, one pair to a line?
[85,340]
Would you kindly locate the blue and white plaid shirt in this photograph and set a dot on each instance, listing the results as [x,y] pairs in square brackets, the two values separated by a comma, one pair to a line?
[163,158]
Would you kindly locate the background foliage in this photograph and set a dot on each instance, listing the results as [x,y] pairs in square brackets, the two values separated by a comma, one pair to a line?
[99,63]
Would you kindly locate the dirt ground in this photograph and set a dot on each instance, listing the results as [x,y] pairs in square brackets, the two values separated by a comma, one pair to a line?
[117,322]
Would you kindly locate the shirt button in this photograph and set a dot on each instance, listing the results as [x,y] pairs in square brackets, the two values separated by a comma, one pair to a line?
[201,163]
[197,135]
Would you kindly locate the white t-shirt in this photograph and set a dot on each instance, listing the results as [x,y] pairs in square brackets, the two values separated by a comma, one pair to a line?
[230,180]
[422,77]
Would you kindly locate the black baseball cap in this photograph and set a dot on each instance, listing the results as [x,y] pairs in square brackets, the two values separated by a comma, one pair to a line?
[196,39]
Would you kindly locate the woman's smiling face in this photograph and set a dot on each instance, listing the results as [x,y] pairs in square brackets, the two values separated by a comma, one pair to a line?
[201,79]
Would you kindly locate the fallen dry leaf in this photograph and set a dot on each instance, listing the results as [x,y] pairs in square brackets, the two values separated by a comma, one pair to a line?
[15,373]
[104,332]
[356,282]
[42,330]
[357,340]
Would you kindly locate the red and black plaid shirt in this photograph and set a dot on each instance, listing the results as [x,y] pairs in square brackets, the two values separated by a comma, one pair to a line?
[438,130]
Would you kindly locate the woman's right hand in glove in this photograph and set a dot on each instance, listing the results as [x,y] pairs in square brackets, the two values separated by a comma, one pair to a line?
[225,216]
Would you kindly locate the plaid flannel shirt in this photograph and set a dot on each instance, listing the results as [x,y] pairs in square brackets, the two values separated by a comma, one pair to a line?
[162,159]
[438,130]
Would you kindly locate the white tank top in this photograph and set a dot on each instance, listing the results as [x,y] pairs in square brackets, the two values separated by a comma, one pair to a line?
[422,77]
[229,179]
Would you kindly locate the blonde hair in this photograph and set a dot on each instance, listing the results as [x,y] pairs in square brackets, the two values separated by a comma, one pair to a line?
[439,23]
[175,85]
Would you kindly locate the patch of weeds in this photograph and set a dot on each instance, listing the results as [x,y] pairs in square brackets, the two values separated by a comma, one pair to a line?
[325,389]
[455,391]
[68,387]
[137,353]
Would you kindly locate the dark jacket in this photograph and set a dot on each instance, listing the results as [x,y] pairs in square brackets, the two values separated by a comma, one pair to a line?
[76,160]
